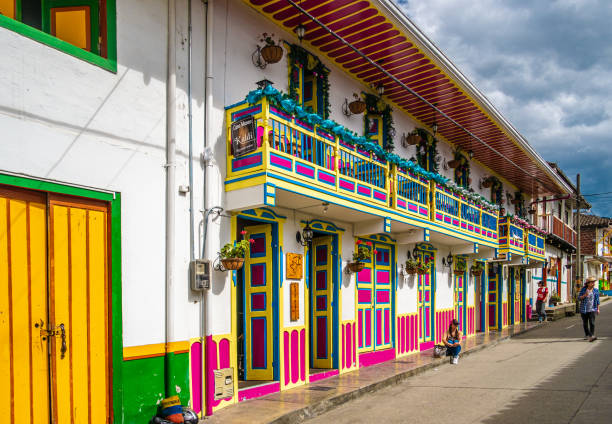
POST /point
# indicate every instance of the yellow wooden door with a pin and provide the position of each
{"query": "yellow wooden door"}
(322, 295)
(55, 364)
(78, 312)
(258, 304)
(24, 364)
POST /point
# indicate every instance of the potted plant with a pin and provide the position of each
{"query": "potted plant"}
(271, 52)
(460, 268)
(422, 268)
(357, 106)
(411, 266)
(554, 299)
(362, 253)
(232, 255)
(453, 163)
(477, 269)
(488, 182)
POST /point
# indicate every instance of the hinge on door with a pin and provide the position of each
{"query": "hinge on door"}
(99, 43)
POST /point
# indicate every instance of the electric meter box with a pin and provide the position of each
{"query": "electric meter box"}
(199, 274)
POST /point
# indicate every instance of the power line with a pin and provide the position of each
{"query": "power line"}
(598, 194)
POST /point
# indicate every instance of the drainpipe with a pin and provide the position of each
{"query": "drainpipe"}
(170, 194)
(208, 80)
(190, 118)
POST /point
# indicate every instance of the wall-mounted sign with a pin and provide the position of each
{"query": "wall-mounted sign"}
(224, 383)
(244, 138)
(295, 266)
(294, 292)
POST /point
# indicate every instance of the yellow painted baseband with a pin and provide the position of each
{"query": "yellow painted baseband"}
(153, 350)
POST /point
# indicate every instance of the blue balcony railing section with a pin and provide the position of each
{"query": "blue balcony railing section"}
(300, 156)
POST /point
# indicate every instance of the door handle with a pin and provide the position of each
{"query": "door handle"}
(64, 348)
(60, 331)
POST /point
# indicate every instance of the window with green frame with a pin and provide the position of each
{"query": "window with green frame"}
(82, 28)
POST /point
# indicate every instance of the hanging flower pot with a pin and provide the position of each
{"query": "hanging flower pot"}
(411, 267)
(272, 53)
(413, 139)
(357, 106)
(487, 183)
(356, 266)
(453, 163)
(232, 264)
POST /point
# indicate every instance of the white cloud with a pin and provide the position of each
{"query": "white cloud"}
(546, 66)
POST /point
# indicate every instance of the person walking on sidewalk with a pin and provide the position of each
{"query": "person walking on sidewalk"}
(541, 301)
(452, 341)
(589, 307)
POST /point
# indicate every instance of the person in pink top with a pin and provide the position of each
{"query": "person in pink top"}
(541, 301)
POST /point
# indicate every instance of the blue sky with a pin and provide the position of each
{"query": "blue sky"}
(546, 66)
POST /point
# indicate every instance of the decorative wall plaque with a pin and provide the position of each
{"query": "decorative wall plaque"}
(295, 266)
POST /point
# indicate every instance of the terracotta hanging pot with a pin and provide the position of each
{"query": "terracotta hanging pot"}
(487, 183)
(272, 53)
(357, 106)
(453, 163)
(413, 139)
(477, 273)
(356, 266)
(232, 264)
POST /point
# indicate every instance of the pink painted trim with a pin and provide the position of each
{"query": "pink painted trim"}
(258, 391)
(286, 356)
(426, 346)
(401, 203)
(280, 161)
(364, 190)
(364, 296)
(322, 375)
(327, 178)
(304, 170)
(382, 277)
(294, 356)
(373, 358)
(423, 211)
(412, 208)
(382, 296)
(196, 376)
(303, 355)
(380, 196)
(346, 185)
(438, 216)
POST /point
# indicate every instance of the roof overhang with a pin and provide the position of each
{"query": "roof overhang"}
(416, 75)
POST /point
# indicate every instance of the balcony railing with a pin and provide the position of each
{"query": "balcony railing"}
(511, 237)
(534, 245)
(307, 156)
(554, 225)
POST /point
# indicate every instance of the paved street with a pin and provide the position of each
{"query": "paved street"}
(549, 375)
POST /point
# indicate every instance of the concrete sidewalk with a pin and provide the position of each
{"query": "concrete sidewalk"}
(301, 403)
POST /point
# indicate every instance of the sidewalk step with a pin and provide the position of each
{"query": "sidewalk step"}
(301, 403)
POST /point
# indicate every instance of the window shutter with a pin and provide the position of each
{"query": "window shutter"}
(74, 21)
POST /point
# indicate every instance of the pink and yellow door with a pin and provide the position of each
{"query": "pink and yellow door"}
(425, 301)
(493, 297)
(53, 309)
(460, 300)
(374, 299)
(322, 297)
(516, 291)
(258, 314)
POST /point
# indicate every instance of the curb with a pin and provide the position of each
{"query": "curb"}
(323, 406)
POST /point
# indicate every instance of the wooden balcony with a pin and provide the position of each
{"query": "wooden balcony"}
(511, 237)
(308, 160)
(554, 225)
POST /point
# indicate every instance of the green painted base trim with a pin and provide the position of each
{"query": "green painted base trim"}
(144, 382)
(51, 41)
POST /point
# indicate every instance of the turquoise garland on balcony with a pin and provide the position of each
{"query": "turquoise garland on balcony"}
(290, 106)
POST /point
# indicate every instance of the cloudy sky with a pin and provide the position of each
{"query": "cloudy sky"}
(546, 66)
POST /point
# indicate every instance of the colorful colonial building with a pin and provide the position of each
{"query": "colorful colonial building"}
(141, 137)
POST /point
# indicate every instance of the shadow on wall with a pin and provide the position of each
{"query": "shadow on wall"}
(567, 395)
